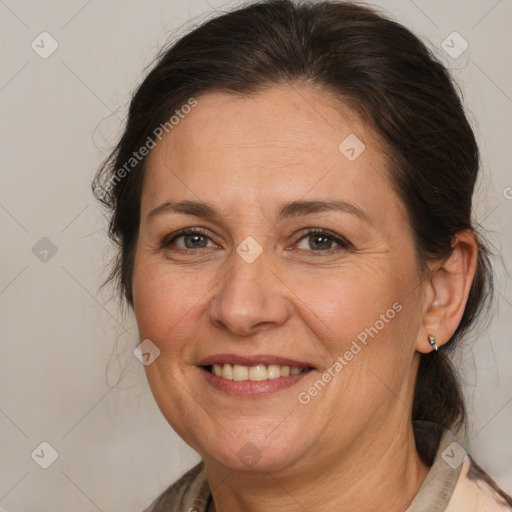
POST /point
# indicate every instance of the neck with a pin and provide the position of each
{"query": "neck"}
(381, 475)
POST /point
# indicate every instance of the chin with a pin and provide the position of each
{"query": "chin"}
(251, 459)
(254, 453)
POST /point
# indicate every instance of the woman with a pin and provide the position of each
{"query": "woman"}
(292, 202)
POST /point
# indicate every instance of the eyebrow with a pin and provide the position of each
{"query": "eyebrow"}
(288, 210)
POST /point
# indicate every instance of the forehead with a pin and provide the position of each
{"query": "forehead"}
(281, 141)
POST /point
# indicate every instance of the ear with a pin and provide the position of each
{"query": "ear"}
(447, 290)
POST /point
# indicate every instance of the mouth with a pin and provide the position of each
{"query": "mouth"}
(256, 373)
(252, 376)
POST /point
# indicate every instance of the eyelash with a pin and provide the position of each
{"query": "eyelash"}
(342, 243)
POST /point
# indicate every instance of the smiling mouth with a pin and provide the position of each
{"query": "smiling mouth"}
(256, 373)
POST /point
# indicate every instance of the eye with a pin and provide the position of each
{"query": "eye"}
(321, 240)
(189, 239)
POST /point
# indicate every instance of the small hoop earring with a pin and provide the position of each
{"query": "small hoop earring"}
(432, 341)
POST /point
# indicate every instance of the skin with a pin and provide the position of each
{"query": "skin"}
(246, 157)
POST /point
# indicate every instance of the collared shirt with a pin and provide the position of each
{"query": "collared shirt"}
(454, 483)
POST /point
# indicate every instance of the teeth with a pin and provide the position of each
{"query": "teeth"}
(227, 371)
(258, 372)
(238, 372)
(273, 371)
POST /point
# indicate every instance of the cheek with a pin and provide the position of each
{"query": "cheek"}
(164, 302)
(367, 325)
(365, 315)
(347, 300)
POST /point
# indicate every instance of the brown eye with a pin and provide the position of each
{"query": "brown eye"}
(194, 241)
(190, 239)
(321, 240)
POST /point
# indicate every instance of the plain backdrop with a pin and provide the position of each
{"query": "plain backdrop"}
(65, 344)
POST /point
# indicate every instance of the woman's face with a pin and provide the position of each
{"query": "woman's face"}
(266, 244)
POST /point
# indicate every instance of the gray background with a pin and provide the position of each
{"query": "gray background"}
(60, 359)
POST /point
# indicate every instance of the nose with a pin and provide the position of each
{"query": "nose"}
(251, 298)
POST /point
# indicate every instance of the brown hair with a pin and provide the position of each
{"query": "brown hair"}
(382, 71)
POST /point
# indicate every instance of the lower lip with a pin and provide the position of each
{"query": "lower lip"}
(250, 388)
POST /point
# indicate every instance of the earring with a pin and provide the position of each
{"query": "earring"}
(432, 341)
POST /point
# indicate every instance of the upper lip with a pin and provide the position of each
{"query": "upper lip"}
(251, 360)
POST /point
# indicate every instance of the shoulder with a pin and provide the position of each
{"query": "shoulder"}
(455, 483)
(476, 490)
(188, 494)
